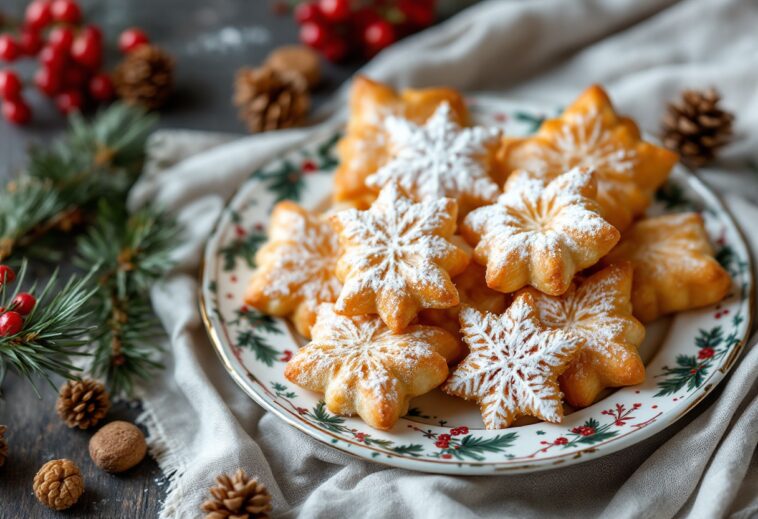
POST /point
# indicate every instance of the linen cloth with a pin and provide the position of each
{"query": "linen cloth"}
(644, 52)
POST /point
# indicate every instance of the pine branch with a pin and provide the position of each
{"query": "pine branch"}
(132, 254)
(95, 160)
(54, 332)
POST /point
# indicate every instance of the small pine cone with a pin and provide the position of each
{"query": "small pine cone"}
(58, 484)
(3, 445)
(82, 403)
(269, 99)
(696, 127)
(145, 77)
(238, 497)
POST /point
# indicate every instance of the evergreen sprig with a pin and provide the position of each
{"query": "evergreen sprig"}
(132, 253)
(55, 331)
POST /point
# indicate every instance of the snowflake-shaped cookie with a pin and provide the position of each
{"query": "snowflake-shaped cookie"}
(513, 366)
(591, 134)
(365, 146)
(397, 257)
(439, 159)
(598, 310)
(540, 235)
(674, 267)
(296, 266)
(364, 368)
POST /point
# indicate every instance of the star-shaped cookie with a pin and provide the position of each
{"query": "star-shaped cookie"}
(440, 159)
(591, 134)
(538, 234)
(674, 267)
(364, 368)
(514, 364)
(295, 267)
(397, 257)
(364, 148)
(598, 310)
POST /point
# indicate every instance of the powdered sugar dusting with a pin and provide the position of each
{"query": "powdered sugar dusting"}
(438, 159)
(513, 366)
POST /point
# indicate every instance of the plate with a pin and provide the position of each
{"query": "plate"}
(686, 356)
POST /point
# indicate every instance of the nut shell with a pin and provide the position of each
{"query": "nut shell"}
(117, 447)
(58, 484)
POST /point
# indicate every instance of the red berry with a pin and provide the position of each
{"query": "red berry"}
(69, 101)
(16, 111)
(87, 51)
(132, 38)
(335, 10)
(417, 13)
(23, 303)
(75, 77)
(10, 323)
(94, 32)
(9, 49)
(61, 37)
(52, 57)
(378, 35)
(7, 275)
(307, 12)
(48, 80)
(38, 15)
(335, 49)
(313, 34)
(66, 11)
(101, 87)
(10, 85)
(30, 42)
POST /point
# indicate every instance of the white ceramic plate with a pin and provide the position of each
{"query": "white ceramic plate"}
(686, 356)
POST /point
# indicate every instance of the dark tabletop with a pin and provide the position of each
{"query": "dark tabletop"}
(210, 39)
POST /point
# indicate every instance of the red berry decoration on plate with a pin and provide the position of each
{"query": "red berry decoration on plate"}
(9, 49)
(132, 38)
(69, 101)
(38, 15)
(66, 11)
(7, 275)
(10, 323)
(16, 111)
(24, 303)
(10, 85)
(101, 87)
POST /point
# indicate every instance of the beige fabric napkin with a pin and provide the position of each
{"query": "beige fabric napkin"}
(644, 51)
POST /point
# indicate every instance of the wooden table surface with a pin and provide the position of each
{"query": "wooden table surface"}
(210, 40)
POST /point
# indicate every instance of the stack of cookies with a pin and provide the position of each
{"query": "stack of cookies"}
(513, 272)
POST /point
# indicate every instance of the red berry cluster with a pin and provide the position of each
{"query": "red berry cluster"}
(70, 56)
(584, 430)
(346, 28)
(11, 320)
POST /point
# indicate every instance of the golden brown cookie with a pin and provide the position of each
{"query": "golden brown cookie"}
(538, 234)
(674, 267)
(364, 148)
(364, 368)
(591, 134)
(295, 267)
(514, 364)
(397, 258)
(598, 310)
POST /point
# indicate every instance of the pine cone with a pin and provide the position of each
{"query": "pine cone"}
(82, 403)
(696, 127)
(145, 77)
(3, 445)
(238, 497)
(58, 484)
(269, 99)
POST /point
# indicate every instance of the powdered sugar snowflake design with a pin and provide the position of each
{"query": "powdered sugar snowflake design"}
(535, 227)
(513, 366)
(300, 258)
(360, 364)
(438, 159)
(397, 257)
(583, 141)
